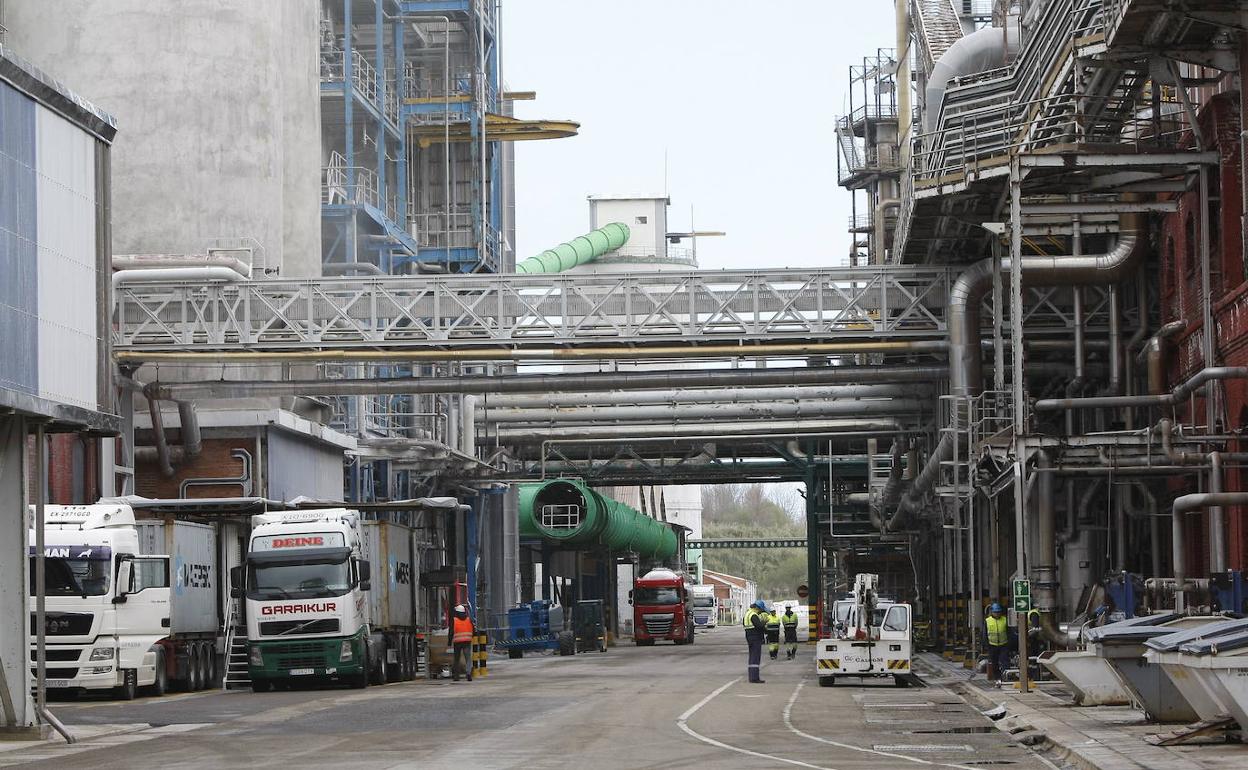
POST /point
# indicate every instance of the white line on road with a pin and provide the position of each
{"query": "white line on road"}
(683, 719)
(788, 722)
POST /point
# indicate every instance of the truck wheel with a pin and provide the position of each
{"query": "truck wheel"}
(261, 685)
(567, 643)
(900, 681)
(393, 672)
(161, 685)
(360, 680)
(206, 665)
(515, 654)
(193, 681)
(827, 681)
(129, 686)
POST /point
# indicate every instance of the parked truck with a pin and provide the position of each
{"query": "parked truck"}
(129, 604)
(872, 638)
(662, 608)
(328, 597)
(705, 606)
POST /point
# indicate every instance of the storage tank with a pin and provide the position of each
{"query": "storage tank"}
(218, 111)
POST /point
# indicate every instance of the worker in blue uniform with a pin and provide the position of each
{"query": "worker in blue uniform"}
(755, 630)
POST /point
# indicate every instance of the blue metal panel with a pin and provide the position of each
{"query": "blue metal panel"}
(19, 290)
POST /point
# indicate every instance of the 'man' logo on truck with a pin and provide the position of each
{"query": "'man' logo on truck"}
(289, 609)
(297, 542)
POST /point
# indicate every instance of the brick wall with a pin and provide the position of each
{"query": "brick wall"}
(214, 461)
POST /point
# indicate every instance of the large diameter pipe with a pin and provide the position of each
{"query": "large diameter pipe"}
(572, 382)
(1217, 525)
(1154, 353)
(179, 274)
(684, 413)
(632, 397)
(578, 251)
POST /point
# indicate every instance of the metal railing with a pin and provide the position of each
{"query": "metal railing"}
(342, 184)
(562, 516)
(459, 230)
(382, 94)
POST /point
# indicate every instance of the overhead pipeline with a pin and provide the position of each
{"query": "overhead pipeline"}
(578, 251)
(579, 517)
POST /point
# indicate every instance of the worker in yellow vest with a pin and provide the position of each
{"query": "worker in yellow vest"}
(755, 622)
(997, 636)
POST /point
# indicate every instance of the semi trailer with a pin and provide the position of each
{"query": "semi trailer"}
(129, 603)
(328, 597)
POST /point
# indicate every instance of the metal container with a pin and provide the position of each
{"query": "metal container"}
(1221, 667)
(193, 579)
(392, 600)
(1091, 679)
(1209, 703)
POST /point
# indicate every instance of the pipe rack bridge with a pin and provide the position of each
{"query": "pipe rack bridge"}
(877, 309)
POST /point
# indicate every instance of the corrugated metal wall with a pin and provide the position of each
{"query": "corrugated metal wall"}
(19, 346)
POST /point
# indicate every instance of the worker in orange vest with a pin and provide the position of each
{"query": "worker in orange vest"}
(459, 637)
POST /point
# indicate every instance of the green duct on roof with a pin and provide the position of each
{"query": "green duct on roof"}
(578, 251)
(579, 517)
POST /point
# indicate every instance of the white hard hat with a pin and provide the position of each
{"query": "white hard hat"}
(460, 608)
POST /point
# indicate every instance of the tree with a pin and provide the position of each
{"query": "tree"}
(738, 511)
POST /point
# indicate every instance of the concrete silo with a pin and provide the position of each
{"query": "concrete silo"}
(218, 113)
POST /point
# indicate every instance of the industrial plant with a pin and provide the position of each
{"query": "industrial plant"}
(285, 413)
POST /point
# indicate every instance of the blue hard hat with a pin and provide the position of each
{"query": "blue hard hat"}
(996, 608)
(760, 604)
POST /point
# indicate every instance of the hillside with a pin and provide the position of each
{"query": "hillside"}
(756, 510)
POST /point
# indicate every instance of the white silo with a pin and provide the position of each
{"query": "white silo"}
(218, 111)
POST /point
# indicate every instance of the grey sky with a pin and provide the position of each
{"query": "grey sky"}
(741, 95)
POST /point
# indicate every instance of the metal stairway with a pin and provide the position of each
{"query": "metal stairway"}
(236, 674)
(938, 28)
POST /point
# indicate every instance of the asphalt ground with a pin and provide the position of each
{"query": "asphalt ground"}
(653, 707)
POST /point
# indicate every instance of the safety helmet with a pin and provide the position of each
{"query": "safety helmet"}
(460, 608)
(760, 604)
(996, 607)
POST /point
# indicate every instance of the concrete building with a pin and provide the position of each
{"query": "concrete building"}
(56, 377)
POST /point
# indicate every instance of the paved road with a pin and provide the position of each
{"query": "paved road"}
(659, 707)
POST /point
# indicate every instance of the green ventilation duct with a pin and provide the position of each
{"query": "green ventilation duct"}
(577, 251)
(568, 513)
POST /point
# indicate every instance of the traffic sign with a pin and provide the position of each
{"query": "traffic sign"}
(802, 592)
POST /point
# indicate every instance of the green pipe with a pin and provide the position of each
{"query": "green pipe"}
(589, 518)
(577, 251)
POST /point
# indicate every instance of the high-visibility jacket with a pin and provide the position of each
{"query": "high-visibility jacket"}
(998, 631)
(749, 621)
(461, 630)
(789, 619)
(773, 621)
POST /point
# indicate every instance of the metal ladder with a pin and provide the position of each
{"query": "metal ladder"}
(237, 677)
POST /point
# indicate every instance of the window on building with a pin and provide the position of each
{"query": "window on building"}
(641, 220)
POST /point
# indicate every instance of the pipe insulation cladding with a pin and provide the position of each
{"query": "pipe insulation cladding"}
(578, 251)
(568, 513)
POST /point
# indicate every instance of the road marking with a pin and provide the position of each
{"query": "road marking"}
(788, 722)
(683, 719)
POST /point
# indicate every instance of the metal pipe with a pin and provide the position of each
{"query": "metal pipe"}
(1176, 396)
(571, 382)
(1115, 342)
(1154, 526)
(602, 353)
(1183, 505)
(1154, 353)
(702, 396)
(1217, 527)
(163, 461)
(180, 274)
(739, 429)
(188, 424)
(332, 269)
(676, 413)
(877, 255)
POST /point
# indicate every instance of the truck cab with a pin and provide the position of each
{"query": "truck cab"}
(705, 606)
(107, 608)
(872, 637)
(662, 608)
(304, 584)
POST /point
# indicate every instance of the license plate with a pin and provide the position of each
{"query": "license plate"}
(302, 671)
(56, 683)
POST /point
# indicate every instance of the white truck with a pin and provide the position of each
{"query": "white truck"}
(872, 638)
(315, 606)
(129, 603)
(705, 606)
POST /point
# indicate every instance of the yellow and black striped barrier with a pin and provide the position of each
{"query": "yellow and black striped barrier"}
(829, 663)
(812, 624)
(480, 654)
(901, 664)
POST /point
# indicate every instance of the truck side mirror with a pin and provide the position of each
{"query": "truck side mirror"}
(236, 582)
(124, 568)
(365, 570)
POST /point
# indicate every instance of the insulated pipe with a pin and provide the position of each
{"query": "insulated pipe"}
(890, 492)
(1046, 570)
(188, 423)
(468, 430)
(1115, 342)
(602, 353)
(1183, 505)
(982, 50)
(965, 299)
(1172, 398)
(880, 207)
(734, 395)
(590, 382)
(578, 251)
(1155, 351)
(739, 429)
(332, 269)
(1217, 526)
(181, 274)
(124, 262)
(1154, 526)
(684, 413)
(158, 431)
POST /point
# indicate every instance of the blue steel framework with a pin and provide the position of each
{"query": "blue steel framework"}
(369, 106)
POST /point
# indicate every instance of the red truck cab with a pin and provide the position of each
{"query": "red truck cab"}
(662, 608)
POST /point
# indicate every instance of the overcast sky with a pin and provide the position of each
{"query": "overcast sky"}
(740, 95)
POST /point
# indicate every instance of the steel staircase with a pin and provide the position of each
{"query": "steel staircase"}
(237, 677)
(938, 27)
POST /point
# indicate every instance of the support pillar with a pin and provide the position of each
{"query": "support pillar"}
(813, 552)
(17, 712)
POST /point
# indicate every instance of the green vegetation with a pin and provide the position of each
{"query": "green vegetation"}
(756, 510)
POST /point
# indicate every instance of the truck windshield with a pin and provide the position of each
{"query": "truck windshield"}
(643, 596)
(703, 601)
(298, 579)
(73, 577)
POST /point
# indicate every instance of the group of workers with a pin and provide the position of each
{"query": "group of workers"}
(764, 625)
